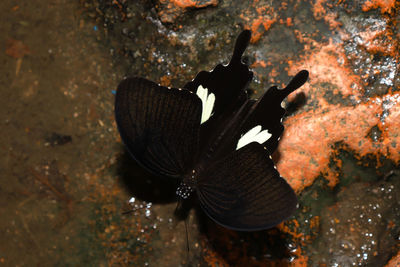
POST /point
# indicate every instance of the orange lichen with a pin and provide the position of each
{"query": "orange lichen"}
(300, 260)
(289, 22)
(16, 49)
(330, 18)
(348, 124)
(320, 13)
(188, 3)
(386, 6)
(299, 238)
(329, 123)
(314, 222)
(213, 259)
(171, 9)
(380, 41)
(284, 228)
(318, 9)
(193, 4)
(391, 224)
(395, 261)
(120, 8)
(261, 23)
(305, 39)
(283, 6)
(257, 31)
(165, 80)
(258, 63)
(328, 64)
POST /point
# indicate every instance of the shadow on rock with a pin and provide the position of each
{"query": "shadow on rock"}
(142, 184)
(259, 248)
(297, 103)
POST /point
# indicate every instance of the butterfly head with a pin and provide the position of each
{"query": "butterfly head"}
(187, 186)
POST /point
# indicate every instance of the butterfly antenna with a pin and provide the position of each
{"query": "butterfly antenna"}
(180, 215)
(127, 212)
(187, 241)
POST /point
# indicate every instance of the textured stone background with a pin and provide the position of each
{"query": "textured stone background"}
(66, 179)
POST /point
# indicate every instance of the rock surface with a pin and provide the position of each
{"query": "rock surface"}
(67, 181)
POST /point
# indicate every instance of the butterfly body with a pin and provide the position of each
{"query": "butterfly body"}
(214, 139)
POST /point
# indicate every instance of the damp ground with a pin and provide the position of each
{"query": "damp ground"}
(71, 195)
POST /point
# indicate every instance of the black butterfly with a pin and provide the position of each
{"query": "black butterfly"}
(214, 139)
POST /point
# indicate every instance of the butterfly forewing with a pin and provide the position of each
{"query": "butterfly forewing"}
(227, 84)
(244, 191)
(159, 125)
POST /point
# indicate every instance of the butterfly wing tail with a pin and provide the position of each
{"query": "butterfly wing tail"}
(297, 81)
(241, 44)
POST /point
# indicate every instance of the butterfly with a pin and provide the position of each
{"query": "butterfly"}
(214, 139)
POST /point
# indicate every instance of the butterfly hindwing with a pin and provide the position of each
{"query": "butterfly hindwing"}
(244, 191)
(255, 121)
(159, 125)
(241, 189)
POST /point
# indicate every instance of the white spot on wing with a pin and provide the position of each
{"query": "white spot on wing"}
(201, 92)
(253, 135)
(207, 101)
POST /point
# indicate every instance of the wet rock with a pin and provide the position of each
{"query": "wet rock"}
(369, 46)
(351, 50)
(361, 228)
(169, 10)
